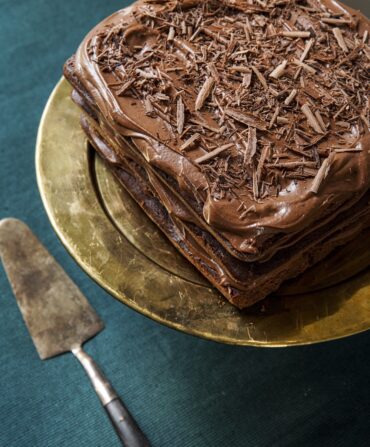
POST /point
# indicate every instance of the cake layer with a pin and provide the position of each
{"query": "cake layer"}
(259, 115)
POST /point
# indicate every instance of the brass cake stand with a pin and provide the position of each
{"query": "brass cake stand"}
(119, 247)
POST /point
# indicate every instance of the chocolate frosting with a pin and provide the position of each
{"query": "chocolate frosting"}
(243, 283)
(264, 206)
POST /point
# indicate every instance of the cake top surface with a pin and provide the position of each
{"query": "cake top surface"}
(262, 107)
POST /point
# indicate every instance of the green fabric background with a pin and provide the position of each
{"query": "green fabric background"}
(185, 392)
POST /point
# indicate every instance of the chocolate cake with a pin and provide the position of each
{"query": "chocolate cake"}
(241, 128)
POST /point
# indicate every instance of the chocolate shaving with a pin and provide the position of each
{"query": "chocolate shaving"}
(248, 120)
(343, 124)
(275, 92)
(213, 153)
(340, 39)
(274, 116)
(311, 118)
(206, 125)
(333, 21)
(239, 69)
(282, 120)
(291, 164)
(320, 176)
(214, 36)
(250, 146)
(279, 70)
(185, 46)
(248, 26)
(212, 68)
(245, 213)
(296, 33)
(126, 86)
(204, 92)
(307, 49)
(247, 33)
(340, 111)
(180, 115)
(348, 149)
(320, 120)
(149, 110)
(260, 77)
(171, 34)
(255, 185)
(365, 36)
(261, 162)
(190, 142)
(304, 66)
(291, 97)
(146, 74)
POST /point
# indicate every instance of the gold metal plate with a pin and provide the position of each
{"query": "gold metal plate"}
(119, 247)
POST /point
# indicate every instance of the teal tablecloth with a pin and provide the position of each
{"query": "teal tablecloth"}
(185, 392)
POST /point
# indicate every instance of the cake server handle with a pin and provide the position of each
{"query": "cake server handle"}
(124, 424)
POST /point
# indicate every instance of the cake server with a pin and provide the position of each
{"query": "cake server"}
(58, 317)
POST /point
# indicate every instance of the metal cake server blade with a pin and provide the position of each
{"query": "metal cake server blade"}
(58, 316)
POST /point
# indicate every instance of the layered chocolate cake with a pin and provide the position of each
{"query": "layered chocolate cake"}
(241, 128)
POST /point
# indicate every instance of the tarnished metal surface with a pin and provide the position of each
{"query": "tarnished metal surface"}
(56, 313)
(114, 242)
